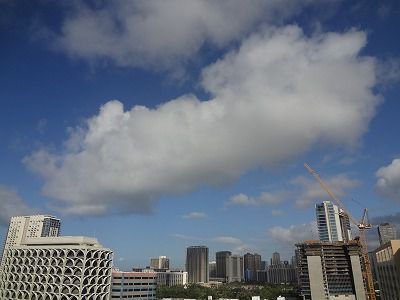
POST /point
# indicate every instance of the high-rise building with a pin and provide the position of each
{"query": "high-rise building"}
(197, 264)
(330, 270)
(388, 269)
(252, 264)
(221, 257)
(70, 268)
(386, 232)
(276, 259)
(162, 262)
(23, 227)
(333, 223)
(235, 268)
(133, 285)
(212, 269)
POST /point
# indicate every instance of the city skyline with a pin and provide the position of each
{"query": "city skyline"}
(154, 127)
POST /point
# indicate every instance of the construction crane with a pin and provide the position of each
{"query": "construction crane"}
(361, 225)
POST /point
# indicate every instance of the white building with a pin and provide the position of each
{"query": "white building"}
(65, 268)
(23, 227)
(172, 278)
(134, 285)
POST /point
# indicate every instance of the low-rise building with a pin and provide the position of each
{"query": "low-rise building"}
(133, 285)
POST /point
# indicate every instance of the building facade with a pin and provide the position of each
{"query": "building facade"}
(234, 269)
(386, 232)
(133, 285)
(197, 264)
(330, 270)
(67, 268)
(333, 224)
(221, 258)
(23, 227)
(252, 264)
(388, 269)
(172, 278)
(162, 262)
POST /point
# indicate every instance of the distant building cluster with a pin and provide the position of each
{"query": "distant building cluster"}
(38, 263)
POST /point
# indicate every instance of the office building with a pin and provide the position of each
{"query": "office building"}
(133, 285)
(281, 274)
(67, 268)
(197, 264)
(252, 264)
(221, 258)
(386, 232)
(333, 223)
(172, 278)
(23, 227)
(162, 262)
(234, 269)
(212, 269)
(275, 259)
(330, 270)
(388, 269)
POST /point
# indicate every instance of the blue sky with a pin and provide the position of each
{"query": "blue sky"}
(158, 125)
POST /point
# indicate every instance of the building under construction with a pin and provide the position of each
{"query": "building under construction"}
(330, 270)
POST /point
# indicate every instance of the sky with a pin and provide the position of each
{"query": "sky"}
(157, 125)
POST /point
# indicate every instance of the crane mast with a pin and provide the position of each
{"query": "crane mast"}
(362, 226)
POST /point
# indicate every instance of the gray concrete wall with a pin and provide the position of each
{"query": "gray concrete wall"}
(357, 277)
(316, 277)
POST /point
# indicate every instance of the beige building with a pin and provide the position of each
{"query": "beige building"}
(388, 267)
(23, 227)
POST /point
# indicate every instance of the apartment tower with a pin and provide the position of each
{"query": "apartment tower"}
(197, 264)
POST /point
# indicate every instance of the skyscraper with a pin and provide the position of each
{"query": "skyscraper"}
(386, 233)
(221, 258)
(252, 264)
(276, 259)
(197, 264)
(23, 227)
(333, 223)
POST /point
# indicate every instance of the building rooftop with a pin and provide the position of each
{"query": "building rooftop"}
(62, 241)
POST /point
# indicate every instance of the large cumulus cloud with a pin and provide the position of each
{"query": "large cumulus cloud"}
(278, 95)
(164, 35)
(11, 205)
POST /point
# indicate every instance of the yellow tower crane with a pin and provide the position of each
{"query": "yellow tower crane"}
(361, 225)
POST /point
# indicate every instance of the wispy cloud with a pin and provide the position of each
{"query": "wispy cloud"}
(195, 215)
(265, 198)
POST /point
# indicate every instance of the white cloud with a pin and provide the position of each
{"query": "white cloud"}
(388, 183)
(310, 191)
(242, 199)
(227, 240)
(163, 34)
(276, 97)
(11, 205)
(263, 198)
(294, 233)
(277, 212)
(195, 215)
